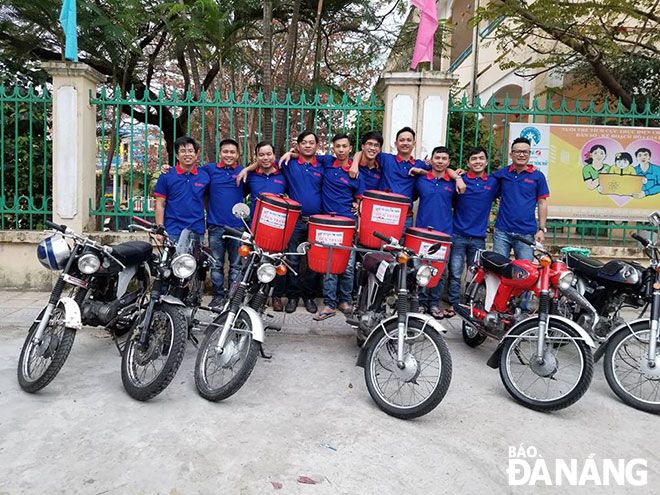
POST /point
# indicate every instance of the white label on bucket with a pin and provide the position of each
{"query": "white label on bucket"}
(330, 237)
(386, 214)
(272, 218)
(440, 254)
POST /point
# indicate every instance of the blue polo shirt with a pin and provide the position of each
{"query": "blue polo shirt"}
(223, 194)
(371, 177)
(304, 182)
(436, 196)
(184, 199)
(258, 182)
(473, 206)
(519, 196)
(652, 174)
(338, 187)
(395, 173)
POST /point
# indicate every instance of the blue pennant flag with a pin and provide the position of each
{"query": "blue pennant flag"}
(70, 26)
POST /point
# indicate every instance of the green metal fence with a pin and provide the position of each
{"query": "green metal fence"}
(25, 158)
(132, 152)
(487, 124)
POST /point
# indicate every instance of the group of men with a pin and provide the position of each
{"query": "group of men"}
(449, 201)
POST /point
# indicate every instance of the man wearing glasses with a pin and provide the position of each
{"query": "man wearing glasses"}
(522, 188)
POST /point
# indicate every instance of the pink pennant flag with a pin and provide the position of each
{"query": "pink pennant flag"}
(428, 23)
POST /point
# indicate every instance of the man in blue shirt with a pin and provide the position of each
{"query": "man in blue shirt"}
(522, 188)
(650, 172)
(370, 170)
(180, 195)
(471, 213)
(436, 192)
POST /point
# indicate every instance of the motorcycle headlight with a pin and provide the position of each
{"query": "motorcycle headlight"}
(183, 266)
(89, 263)
(424, 275)
(266, 273)
(565, 280)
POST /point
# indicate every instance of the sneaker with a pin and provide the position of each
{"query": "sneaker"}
(311, 306)
(291, 305)
(217, 301)
(277, 304)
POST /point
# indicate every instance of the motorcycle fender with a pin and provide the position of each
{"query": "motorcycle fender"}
(174, 301)
(393, 321)
(494, 360)
(255, 322)
(72, 317)
(124, 278)
(625, 327)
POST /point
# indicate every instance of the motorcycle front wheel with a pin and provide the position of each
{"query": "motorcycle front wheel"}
(628, 372)
(559, 380)
(221, 373)
(147, 370)
(421, 385)
(471, 335)
(40, 362)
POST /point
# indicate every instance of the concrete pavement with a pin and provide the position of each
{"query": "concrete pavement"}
(305, 413)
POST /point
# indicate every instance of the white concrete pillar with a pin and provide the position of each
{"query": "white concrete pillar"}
(74, 142)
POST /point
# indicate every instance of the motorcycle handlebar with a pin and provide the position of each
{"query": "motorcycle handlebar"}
(382, 237)
(643, 240)
(53, 225)
(233, 232)
(523, 239)
(143, 221)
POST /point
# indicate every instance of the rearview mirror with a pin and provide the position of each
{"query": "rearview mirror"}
(655, 218)
(241, 210)
(302, 248)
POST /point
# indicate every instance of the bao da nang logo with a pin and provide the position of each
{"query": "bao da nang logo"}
(527, 467)
(533, 134)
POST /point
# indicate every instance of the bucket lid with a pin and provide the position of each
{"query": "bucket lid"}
(428, 234)
(281, 201)
(387, 196)
(332, 220)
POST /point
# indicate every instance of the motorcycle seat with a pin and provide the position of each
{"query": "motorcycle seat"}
(132, 252)
(588, 266)
(372, 260)
(500, 264)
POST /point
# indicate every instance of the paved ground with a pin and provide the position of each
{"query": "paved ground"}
(304, 413)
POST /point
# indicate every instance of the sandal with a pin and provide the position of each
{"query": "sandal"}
(324, 315)
(345, 308)
(436, 312)
(449, 313)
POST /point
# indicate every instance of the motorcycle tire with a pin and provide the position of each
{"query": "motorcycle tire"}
(471, 336)
(563, 335)
(376, 389)
(232, 355)
(167, 338)
(630, 366)
(56, 348)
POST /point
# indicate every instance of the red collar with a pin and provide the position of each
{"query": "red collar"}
(530, 168)
(312, 163)
(375, 162)
(275, 172)
(180, 170)
(446, 177)
(220, 165)
(411, 160)
(470, 175)
(346, 168)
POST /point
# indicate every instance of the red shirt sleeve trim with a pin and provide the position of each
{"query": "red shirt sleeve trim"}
(543, 197)
(158, 195)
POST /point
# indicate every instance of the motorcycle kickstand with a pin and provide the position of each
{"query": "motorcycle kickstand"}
(263, 354)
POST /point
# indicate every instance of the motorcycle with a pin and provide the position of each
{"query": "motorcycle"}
(407, 365)
(155, 348)
(545, 360)
(106, 284)
(233, 341)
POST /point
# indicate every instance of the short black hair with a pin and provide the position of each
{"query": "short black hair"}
(341, 135)
(405, 129)
(184, 140)
(227, 141)
(623, 156)
(475, 151)
(521, 139)
(304, 134)
(262, 144)
(440, 149)
(643, 150)
(375, 135)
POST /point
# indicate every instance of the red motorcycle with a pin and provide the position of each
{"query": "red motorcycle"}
(545, 359)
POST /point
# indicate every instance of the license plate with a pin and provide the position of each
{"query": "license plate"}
(74, 281)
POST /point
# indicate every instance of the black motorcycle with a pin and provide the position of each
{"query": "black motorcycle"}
(407, 365)
(105, 286)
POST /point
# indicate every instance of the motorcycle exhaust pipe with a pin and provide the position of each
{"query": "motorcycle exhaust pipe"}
(581, 301)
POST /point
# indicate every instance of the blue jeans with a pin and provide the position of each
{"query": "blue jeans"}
(219, 247)
(345, 285)
(193, 235)
(463, 249)
(503, 242)
(294, 287)
(408, 223)
(431, 297)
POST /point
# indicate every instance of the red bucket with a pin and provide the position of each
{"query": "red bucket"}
(274, 220)
(420, 240)
(329, 229)
(384, 213)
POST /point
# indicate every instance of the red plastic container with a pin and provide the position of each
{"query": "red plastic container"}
(420, 240)
(384, 213)
(274, 220)
(329, 229)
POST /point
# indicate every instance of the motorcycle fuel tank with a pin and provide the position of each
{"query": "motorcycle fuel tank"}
(620, 272)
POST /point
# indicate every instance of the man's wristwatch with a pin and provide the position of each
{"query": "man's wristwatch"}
(543, 229)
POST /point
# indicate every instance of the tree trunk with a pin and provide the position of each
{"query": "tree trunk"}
(267, 84)
(316, 77)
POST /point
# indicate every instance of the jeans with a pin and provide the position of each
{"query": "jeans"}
(463, 249)
(294, 287)
(408, 223)
(431, 297)
(504, 241)
(219, 247)
(345, 285)
(193, 235)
